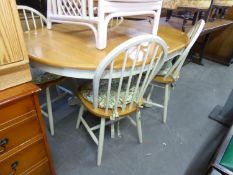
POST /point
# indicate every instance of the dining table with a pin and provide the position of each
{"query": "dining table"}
(69, 50)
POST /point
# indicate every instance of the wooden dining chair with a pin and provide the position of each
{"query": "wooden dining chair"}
(96, 14)
(119, 84)
(193, 10)
(31, 19)
(220, 7)
(167, 80)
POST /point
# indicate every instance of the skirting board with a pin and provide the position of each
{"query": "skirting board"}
(14, 76)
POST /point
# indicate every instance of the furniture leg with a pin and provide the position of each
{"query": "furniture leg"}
(168, 15)
(150, 93)
(58, 90)
(118, 129)
(156, 21)
(166, 99)
(148, 99)
(184, 24)
(195, 17)
(112, 130)
(139, 125)
(50, 112)
(79, 116)
(101, 39)
(101, 141)
(203, 48)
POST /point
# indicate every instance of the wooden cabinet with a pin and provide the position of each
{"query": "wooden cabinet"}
(14, 67)
(220, 44)
(23, 142)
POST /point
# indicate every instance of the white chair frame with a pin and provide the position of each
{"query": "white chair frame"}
(84, 12)
(174, 72)
(107, 71)
(61, 90)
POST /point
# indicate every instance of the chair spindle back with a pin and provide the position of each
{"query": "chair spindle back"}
(137, 60)
(33, 19)
(193, 35)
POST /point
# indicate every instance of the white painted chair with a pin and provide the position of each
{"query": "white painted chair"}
(96, 14)
(166, 81)
(31, 19)
(133, 64)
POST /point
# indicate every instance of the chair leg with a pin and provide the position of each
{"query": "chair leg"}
(58, 90)
(168, 15)
(101, 141)
(139, 126)
(166, 99)
(50, 112)
(112, 130)
(80, 114)
(150, 93)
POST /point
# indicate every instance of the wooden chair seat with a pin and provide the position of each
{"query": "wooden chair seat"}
(100, 112)
(162, 80)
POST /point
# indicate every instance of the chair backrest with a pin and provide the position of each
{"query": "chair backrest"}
(30, 18)
(136, 61)
(193, 35)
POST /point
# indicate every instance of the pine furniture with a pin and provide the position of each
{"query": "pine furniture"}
(14, 68)
(167, 80)
(96, 14)
(123, 98)
(23, 142)
(72, 50)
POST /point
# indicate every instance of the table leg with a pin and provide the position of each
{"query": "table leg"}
(199, 59)
(206, 39)
(168, 15)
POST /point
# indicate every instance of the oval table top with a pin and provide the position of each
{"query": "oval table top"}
(73, 46)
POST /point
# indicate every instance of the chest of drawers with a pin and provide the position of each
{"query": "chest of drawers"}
(23, 142)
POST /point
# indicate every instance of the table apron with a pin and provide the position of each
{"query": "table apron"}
(79, 73)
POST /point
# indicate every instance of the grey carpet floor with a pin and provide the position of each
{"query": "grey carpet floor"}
(183, 146)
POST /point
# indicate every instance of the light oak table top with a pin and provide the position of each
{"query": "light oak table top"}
(69, 50)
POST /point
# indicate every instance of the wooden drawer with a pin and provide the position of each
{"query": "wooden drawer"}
(24, 157)
(15, 110)
(19, 132)
(41, 168)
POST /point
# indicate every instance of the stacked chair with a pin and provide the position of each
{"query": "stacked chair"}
(96, 14)
(220, 7)
(193, 10)
(166, 80)
(32, 19)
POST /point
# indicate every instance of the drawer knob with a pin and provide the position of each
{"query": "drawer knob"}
(13, 168)
(3, 144)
